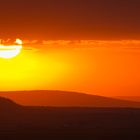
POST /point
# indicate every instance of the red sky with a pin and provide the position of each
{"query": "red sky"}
(70, 19)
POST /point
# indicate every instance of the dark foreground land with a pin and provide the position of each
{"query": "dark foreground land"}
(23, 123)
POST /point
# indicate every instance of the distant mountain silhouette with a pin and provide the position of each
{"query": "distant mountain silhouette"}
(129, 98)
(27, 122)
(65, 99)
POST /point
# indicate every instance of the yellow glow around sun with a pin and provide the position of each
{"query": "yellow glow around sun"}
(10, 51)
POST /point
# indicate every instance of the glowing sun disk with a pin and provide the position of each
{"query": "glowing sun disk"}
(10, 51)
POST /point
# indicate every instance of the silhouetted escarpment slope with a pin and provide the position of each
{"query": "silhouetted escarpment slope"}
(7, 104)
(18, 122)
(65, 99)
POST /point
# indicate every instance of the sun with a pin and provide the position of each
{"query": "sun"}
(10, 51)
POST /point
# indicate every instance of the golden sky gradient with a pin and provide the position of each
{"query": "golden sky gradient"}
(107, 68)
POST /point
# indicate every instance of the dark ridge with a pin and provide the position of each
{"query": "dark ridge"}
(20, 122)
(7, 104)
(65, 99)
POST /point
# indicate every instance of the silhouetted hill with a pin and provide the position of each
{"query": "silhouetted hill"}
(129, 98)
(7, 104)
(20, 122)
(65, 99)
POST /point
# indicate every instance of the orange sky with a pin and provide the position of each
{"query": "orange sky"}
(106, 68)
